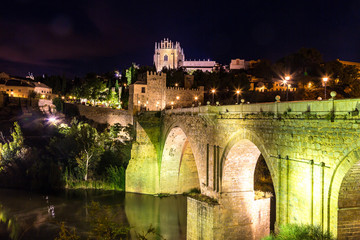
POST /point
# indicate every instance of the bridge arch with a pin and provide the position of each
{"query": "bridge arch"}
(251, 140)
(242, 156)
(178, 169)
(344, 195)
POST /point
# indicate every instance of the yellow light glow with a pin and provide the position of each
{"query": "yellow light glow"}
(176, 84)
(213, 90)
(196, 98)
(177, 97)
(325, 79)
(237, 91)
(139, 102)
(172, 103)
(287, 78)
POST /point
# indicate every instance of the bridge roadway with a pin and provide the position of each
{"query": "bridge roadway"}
(311, 148)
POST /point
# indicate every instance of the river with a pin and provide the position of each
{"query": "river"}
(29, 215)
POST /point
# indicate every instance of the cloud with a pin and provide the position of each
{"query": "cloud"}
(42, 43)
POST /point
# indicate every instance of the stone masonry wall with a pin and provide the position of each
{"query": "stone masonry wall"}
(349, 203)
(186, 96)
(142, 173)
(202, 220)
(261, 217)
(308, 151)
(103, 115)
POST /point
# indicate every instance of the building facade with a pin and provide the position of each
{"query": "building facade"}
(151, 94)
(23, 87)
(171, 56)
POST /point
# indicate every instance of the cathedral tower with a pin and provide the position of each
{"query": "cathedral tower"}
(167, 54)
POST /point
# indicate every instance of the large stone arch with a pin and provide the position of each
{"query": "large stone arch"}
(178, 169)
(342, 171)
(246, 135)
(248, 218)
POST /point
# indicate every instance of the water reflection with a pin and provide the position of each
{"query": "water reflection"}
(25, 215)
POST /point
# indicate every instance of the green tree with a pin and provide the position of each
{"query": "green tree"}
(93, 88)
(78, 148)
(131, 73)
(12, 148)
(344, 79)
(90, 147)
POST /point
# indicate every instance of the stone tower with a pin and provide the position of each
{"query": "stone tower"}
(167, 54)
(156, 86)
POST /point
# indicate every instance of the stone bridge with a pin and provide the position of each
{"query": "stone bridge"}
(311, 150)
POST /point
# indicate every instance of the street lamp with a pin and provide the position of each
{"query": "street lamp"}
(196, 99)
(177, 101)
(213, 94)
(325, 79)
(287, 78)
(237, 96)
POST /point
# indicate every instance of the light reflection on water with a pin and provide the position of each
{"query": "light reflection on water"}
(34, 216)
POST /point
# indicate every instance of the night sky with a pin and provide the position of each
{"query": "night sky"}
(78, 36)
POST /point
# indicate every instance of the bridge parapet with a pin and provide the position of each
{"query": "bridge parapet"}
(344, 107)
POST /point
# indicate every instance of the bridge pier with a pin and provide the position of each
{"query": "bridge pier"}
(235, 216)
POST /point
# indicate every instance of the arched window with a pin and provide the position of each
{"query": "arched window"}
(165, 58)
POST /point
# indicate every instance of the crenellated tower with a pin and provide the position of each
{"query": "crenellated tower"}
(167, 54)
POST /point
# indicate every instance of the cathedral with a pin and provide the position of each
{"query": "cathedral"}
(171, 56)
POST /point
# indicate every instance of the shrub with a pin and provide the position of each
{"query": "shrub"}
(116, 177)
(300, 232)
(58, 104)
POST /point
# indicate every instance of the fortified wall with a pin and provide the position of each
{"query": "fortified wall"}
(99, 114)
(151, 94)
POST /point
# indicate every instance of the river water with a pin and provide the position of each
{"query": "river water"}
(27, 215)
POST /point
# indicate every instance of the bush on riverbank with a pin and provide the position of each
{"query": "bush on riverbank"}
(76, 156)
(300, 232)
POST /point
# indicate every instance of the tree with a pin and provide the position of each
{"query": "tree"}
(13, 148)
(87, 138)
(93, 88)
(343, 78)
(78, 148)
(131, 74)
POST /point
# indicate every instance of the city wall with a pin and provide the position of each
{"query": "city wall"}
(181, 97)
(99, 114)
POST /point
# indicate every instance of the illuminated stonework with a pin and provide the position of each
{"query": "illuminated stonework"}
(152, 94)
(312, 153)
(171, 56)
